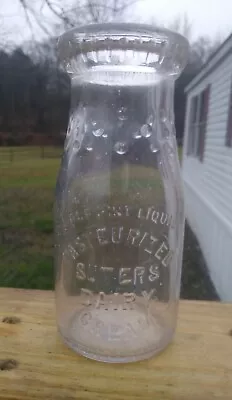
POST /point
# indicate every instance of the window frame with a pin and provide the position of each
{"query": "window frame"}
(228, 139)
(199, 106)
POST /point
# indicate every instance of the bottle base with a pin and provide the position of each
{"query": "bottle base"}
(112, 342)
(84, 351)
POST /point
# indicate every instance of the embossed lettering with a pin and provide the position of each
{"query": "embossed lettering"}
(140, 214)
(153, 240)
(91, 271)
(122, 211)
(148, 295)
(125, 277)
(133, 235)
(149, 212)
(117, 234)
(155, 216)
(167, 258)
(85, 318)
(143, 238)
(91, 279)
(107, 270)
(102, 236)
(76, 248)
(88, 294)
(161, 251)
(73, 252)
(107, 273)
(163, 218)
(138, 275)
(117, 212)
(100, 300)
(115, 332)
(129, 297)
(81, 247)
(154, 273)
(127, 211)
(99, 327)
(80, 271)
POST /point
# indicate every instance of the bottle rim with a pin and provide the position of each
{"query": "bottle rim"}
(158, 48)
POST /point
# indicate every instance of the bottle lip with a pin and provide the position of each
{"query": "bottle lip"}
(160, 47)
(94, 32)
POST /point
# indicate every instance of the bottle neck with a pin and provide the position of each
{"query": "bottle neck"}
(126, 109)
(165, 101)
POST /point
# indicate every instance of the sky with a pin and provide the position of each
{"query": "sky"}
(207, 17)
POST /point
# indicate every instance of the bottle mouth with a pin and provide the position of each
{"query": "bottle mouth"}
(122, 53)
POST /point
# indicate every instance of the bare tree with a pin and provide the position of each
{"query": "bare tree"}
(182, 25)
(200, 48)
(92, 10)
(5, 43)
(204, 47)
(85, 11)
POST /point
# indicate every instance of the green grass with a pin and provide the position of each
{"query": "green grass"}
(26, 223)
(20, 153)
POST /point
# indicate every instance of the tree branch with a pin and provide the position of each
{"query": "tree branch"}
(87, 11)
(26, 8)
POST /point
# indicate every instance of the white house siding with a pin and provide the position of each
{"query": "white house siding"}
(208, 185)
(215, 238)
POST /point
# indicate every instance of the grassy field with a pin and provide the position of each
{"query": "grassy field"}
(26, 225)
(20, 153)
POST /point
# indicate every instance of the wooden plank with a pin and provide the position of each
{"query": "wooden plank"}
(197, 366)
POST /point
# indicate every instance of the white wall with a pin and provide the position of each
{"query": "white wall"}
(208, 185)
(215, 238)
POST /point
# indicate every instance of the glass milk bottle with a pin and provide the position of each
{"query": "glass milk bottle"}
(119, 216)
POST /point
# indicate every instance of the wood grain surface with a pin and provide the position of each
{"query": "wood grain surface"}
(34, 364)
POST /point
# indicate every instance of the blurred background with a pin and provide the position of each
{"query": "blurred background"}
(34, 105)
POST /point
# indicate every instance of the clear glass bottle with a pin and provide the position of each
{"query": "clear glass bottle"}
(119, 216)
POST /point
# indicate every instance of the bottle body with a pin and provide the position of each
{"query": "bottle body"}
(119, 219)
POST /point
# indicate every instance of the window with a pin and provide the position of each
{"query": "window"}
(198, 122)
(229, 122)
